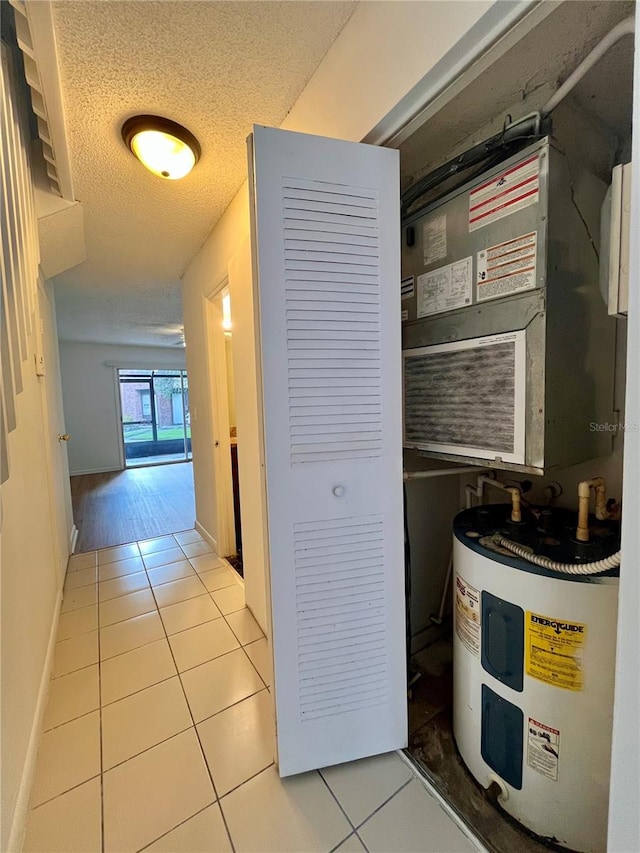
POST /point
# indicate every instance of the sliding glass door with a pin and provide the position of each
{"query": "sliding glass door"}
(155, 416)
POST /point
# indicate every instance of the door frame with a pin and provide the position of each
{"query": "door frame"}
(219, 414)
(63, 529)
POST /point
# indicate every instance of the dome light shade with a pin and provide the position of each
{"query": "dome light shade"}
(167, 149)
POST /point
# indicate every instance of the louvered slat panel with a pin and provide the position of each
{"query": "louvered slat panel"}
(332, 310)
(462, 398)
(346, 669)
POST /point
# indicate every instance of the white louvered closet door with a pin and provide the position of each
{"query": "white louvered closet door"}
(326, 232)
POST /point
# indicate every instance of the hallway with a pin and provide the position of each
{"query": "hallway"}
(158, 733)
(116, 507)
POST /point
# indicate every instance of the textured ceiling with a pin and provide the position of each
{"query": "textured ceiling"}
(215, 67)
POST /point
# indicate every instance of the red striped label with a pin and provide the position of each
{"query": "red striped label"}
(506, 193)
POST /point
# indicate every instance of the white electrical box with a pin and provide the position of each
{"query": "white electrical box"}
(614, 242)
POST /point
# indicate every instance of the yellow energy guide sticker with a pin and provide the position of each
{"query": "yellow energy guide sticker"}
(554, 651)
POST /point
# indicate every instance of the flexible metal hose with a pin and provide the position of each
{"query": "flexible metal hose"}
(594, 568)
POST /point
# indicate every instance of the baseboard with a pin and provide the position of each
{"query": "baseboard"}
(94, 471)
(73, 539)
(206, 536)
(19, 823)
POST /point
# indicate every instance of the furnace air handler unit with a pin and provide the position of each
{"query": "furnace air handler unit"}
(508, 348)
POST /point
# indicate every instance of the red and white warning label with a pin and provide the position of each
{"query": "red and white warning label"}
(543, 748)
(506, 268)
(511, 190)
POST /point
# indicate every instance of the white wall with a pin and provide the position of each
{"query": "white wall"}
(384, 50)
(369, 68)
(30, 590)
(31, 578)
(90, 398)
(207, 270)
(624, 816)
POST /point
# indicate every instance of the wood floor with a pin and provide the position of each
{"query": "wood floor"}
(126, 506)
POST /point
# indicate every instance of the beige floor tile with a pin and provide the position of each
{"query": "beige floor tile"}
(363, 786)
(187, 536)
(130, 634)
(286, 815)
(239, 742)
(218, 578)
(203, 833)
(163, 558)
(220, 683)
(77, 622)
(260, 655)
(196, 549)
(126, 607)
(244, 626)
(207, 562)
(413, 820)
(68, 756)
(171, 572)
(75, 653)
(124, 585)
(351, 845)
(160, 543)
(229, 599)
(135, 670)
(75, 599)
(72, 696)
(154, 792)
(120, 552)
(71, 823)
(82, 577)
(77, 562)
(180, 590)
(188, 614)
(202, 643)
(143, 720)
(130, 566)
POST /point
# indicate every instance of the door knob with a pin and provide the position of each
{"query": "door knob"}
(338, 491)
(64, 437)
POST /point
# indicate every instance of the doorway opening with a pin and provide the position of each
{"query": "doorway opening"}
(155, 420)
(220, 341)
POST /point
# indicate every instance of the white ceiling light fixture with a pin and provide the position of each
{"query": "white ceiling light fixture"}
(166, 148)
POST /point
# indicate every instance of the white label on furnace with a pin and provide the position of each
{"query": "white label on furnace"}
(404, 315)
(467, 615)
(446, 288)
(507, 267)
(510, 191)
(543, 749)
(434, 239)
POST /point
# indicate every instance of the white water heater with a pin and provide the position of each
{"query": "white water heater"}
(534, 659)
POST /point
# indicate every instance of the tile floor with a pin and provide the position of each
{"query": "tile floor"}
(159, 729)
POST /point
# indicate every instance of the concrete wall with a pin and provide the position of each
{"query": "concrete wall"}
(90, 398)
